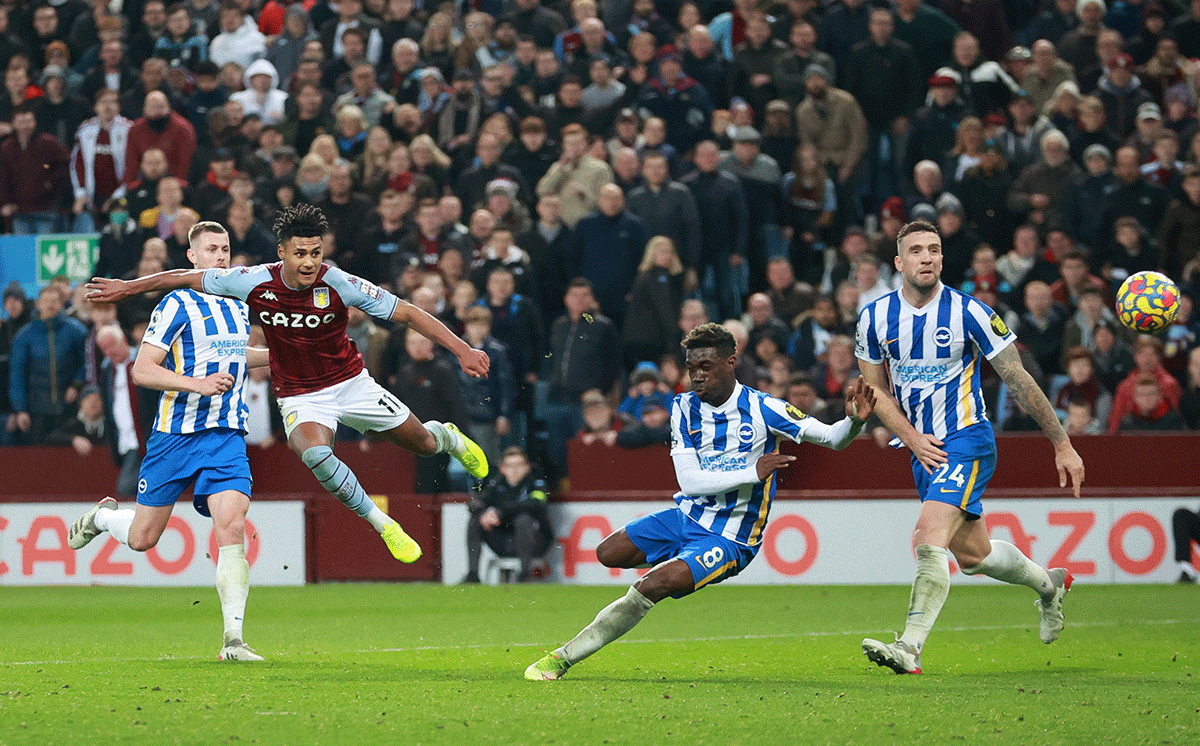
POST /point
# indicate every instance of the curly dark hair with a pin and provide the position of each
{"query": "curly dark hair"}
(300, 221)
(711, 335)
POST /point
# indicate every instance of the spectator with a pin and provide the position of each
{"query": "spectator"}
(627, 169)
(1189, 404)
(652, 324)
(239, 41)
(42, 381)
(35, 179)
(1147, 358)
(85, 430)
(763, 322)
(1147, 127)
(1121, 93)
(1083, 384)
(608, 245)
(576, 178)
(707, 66)
(600, 422)
(1075, 277)
(885, 77)
(936, 125)
(1081, 218)
(802, 394)
(845, 25)
(128, 409)
(491, 402)
(112, 71)
(761, 181)
(472, 186)
(1024, 263)
(1132, 195)
(530, 18)
(830, 120)
(246, 235)
(1179, 234)
(1046, 73)
(1151, 411)
(958, 244)
(645, 388)
(1022, 139)
(98, 159)
(346, 209)
(653, 426)
(580, 359)
(983, 190)
(755, 60)
(1113, 357)
(262, 95)
(1091, 309)
(180, 43)
(832, 376)
(1091, 128)
(1052, 23)
(681, 102)
(546, 244)
(724, 225)
(515, 322)
(350, 15)
(510, 515)
(61, 110)
(668, 209)
(1078, 46)
(1041, 327)
(930, 31)
(432, 389)
(1129, 252)
(532, 153)
(160, 127)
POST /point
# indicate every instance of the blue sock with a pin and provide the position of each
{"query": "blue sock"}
(337, 478)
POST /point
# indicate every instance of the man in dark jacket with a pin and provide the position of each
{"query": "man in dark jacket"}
(45, 367)
(606, 249)
(681, 102)
(472, 184)
(35, 178)
(668, 209)
(546, 244)
(510, 515)
(433, 391)
(724, 230)
(582, 357)
(760, 178)
(884, 76)
(491, 401)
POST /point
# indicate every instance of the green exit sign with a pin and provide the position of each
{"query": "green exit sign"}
(73, 256)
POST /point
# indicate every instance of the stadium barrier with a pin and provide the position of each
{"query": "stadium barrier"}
(832, 510)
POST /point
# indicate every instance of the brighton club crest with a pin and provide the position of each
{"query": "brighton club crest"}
(321, 297)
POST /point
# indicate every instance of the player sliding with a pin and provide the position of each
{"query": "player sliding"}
(931, 338)
(724, 442)
(317, 374)
(199, 431)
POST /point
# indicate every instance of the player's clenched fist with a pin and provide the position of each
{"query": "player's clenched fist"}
(214, 385)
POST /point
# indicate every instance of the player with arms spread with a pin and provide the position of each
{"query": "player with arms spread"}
(317, 374)
(931, 337)
(725, 446)
(199, 431)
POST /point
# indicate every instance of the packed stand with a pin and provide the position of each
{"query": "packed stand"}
(574, 186)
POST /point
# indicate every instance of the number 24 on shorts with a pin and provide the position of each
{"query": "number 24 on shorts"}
(957, 476)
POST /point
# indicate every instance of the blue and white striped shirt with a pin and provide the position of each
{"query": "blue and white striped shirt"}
(933, 354)
(202, 334)
(732, 437)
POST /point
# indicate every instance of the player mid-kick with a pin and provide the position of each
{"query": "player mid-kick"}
(316, 373)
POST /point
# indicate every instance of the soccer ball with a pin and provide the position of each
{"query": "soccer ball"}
(1147, 302)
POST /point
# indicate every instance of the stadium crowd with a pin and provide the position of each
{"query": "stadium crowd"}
(574, 186)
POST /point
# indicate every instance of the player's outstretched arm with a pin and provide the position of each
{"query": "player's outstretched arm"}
(104, 290)
(474, 362)
(925, 447)
(149, 373)
(1029, 395)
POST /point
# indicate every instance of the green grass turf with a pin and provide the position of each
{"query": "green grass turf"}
(420, 664)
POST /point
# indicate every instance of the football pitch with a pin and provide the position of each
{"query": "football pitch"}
(423, 664)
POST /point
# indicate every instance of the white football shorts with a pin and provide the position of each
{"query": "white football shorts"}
(360, 403)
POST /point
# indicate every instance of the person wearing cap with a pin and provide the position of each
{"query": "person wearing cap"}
(1178, 236)
(98, 157)
(984, 190)
(682, 103)
(1122, 94)
(761, 180)
(1147, 127)
(1022, 138)
(287, 46)
(930, 31)
(885, 77)
(789, 69)
(831, 120)
(935, 125)
(1080, 216)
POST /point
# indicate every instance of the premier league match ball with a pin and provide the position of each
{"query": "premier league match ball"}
(1147, 302)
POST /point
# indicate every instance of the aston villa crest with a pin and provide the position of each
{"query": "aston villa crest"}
(321, 297)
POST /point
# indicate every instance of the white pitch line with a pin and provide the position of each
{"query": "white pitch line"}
(726, 638)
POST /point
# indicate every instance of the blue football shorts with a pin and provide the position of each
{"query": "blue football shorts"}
(971, 461)
(214, 459)
(669, 534)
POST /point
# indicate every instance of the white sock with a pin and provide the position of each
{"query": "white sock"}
(115, 522)
(233, 587)
(447, 440)
(378, 518)
(1005, 562)
(1187, 569)
(613, 621)
(929, 591)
